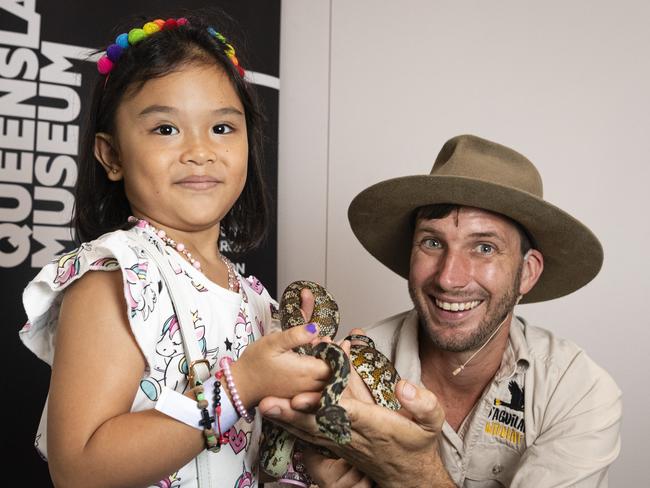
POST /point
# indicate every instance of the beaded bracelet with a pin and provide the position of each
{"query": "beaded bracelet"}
(216, 400)
(211, 441)
(234, 394)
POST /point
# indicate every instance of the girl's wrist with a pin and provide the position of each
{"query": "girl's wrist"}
(244, 387)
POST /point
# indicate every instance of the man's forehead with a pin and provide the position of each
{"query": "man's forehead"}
(471, 219)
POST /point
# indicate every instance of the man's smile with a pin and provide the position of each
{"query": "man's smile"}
(456, 306)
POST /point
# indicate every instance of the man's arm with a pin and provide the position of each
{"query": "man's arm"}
(395, 451)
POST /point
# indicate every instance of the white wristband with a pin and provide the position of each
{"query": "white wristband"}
(184, 409)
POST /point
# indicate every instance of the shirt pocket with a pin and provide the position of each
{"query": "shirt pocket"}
(491, 466)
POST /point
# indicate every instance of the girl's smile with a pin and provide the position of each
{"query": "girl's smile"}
(199, 182)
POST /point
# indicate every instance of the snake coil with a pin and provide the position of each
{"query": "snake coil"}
(277, 454)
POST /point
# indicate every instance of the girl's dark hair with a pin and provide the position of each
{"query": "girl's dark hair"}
(101, 205)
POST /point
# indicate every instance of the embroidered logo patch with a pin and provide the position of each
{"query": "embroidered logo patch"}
(506, 418)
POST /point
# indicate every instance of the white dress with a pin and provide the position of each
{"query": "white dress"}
(225, 323)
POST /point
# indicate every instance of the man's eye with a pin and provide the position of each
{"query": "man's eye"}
(166, 130)
(430, 243)
(485, 248)
(222, 129)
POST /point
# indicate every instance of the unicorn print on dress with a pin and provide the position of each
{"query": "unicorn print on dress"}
(260, 325)
(198, 286)
(172, 481)
(68, 265)
(245, 480)
(106, 264)
(255, 284)
(170, 357)
(243, 332)
(140, 295)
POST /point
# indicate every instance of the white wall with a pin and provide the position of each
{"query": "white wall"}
(372, 89)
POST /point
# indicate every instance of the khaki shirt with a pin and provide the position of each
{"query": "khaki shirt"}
(550, 418)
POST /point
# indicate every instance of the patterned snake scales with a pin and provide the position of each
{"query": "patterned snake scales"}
(277, 454)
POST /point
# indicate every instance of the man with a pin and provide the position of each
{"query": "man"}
(522, 407)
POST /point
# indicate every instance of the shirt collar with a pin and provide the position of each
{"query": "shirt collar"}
(516, 354)
(407, 359)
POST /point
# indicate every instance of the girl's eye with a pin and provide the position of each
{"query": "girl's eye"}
(485, 249)
(222, 129)
(430, 243)
(166, 130)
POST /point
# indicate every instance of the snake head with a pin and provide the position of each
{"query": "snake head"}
(333, 421)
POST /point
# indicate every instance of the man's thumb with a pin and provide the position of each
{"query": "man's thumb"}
(422, 404)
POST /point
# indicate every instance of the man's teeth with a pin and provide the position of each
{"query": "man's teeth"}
(457, 306)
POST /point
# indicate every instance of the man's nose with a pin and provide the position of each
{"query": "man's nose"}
(453, 270)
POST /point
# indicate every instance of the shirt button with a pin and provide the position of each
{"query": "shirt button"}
(496, 469)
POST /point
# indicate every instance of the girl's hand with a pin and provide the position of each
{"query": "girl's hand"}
(356, 388)
(270, 367)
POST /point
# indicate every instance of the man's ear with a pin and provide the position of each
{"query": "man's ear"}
(531, 270)
(107, 155)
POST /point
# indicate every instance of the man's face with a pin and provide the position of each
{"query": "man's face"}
(465, 276)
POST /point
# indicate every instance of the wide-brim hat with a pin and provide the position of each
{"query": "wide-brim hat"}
(475, 172)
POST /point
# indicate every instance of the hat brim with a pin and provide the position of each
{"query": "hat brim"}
(381, 218)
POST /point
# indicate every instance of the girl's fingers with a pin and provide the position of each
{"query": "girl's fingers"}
(306, 304)
(296, 336)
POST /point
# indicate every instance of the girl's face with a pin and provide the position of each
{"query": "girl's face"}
(181, 147)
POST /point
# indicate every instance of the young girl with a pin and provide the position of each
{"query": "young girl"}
(172, 159)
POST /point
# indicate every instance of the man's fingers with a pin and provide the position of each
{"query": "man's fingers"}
(422, 404)
(357, 331)
(345, 345)
(333, 472)
(280, 410)
(300, 424)
(307, 401)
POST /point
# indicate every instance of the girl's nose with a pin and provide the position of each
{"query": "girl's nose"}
(198, 151)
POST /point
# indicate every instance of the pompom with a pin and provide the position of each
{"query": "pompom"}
(181, 21)
(170, 24)
(150, 28)
(104, 65)
(159, 22)
(122, 40)
(114, 51)
(135, 36)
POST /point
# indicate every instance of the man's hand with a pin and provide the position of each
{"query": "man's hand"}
(333, 473)
(394, 450)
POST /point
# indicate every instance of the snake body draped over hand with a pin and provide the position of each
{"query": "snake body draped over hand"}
(277, 454)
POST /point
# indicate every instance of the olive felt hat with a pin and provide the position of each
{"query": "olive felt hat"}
(475, 172)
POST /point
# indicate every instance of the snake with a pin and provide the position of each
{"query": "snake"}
(279, 453)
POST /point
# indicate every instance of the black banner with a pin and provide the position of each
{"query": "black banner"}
(45, 81)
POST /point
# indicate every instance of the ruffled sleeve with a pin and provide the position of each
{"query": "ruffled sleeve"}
(114, 251)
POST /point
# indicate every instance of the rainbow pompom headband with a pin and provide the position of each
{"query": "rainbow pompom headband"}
(106, 63)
